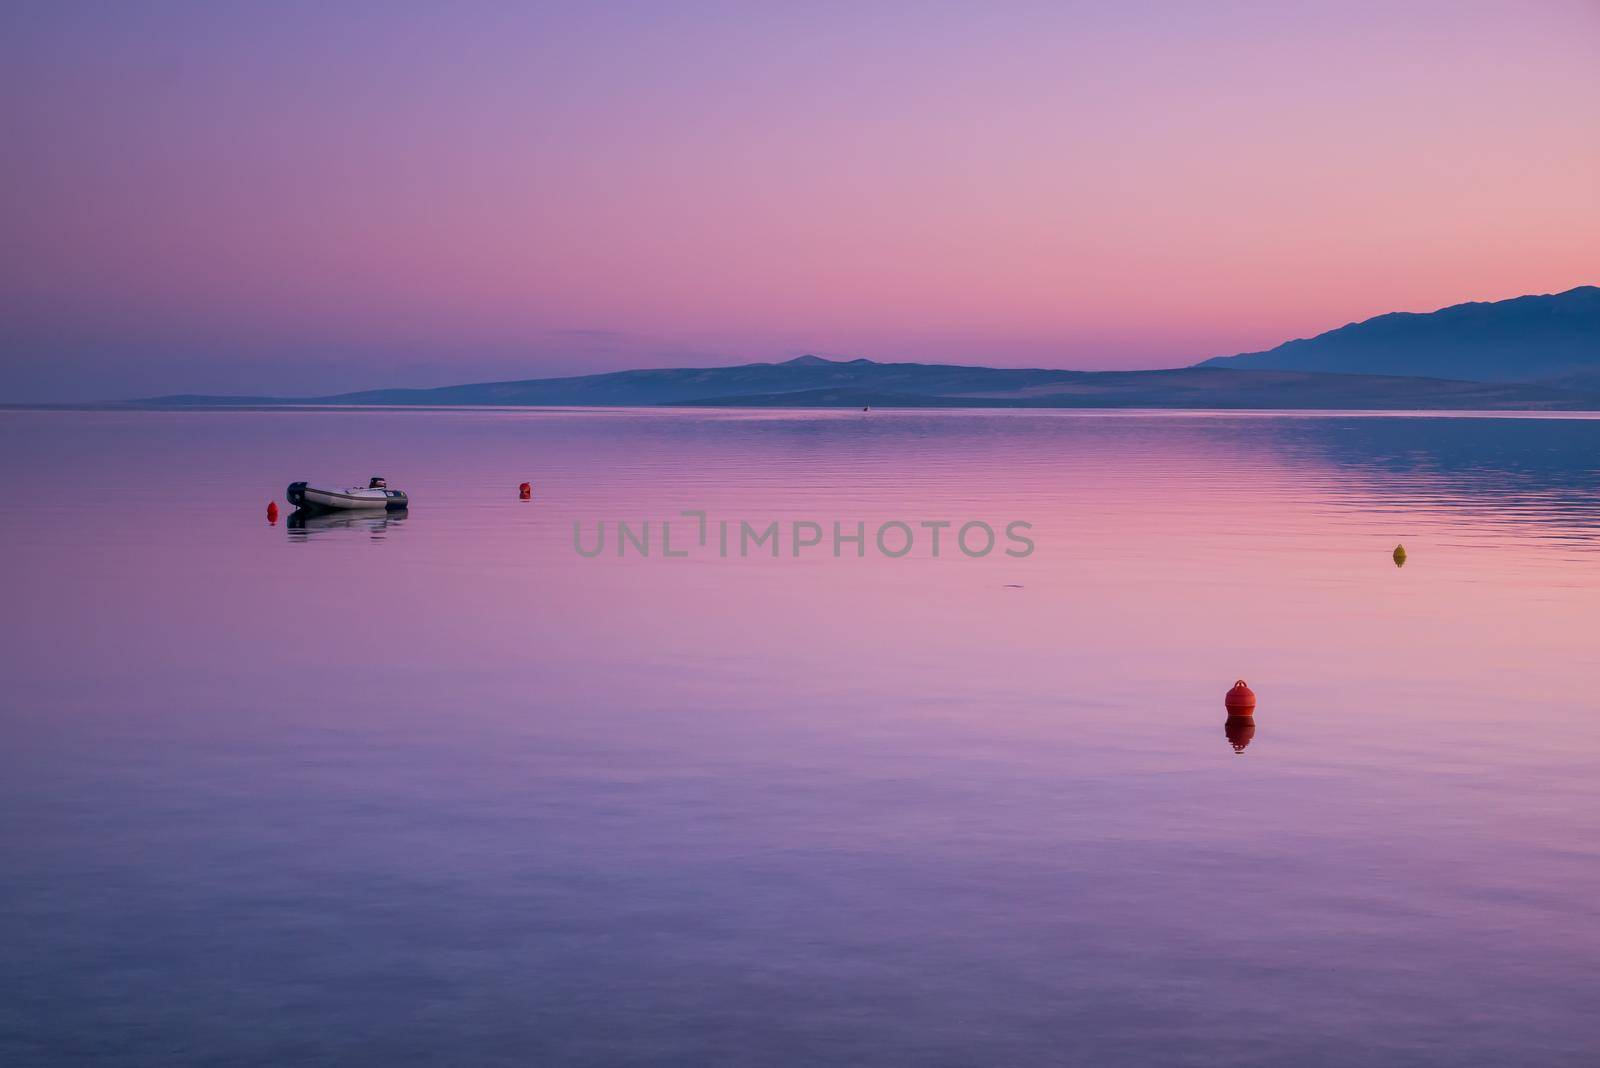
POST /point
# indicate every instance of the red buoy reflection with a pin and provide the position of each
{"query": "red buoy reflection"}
(1239, 729)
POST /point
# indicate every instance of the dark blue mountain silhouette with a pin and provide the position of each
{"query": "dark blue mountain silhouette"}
(1527, 353)
(812, 382)
(1525, 339)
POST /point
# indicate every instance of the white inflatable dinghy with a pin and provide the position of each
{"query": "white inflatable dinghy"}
(375, 494)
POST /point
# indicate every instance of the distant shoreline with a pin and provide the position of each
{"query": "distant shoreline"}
(1581, 415)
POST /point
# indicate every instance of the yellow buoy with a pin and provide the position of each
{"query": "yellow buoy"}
(1399, 556)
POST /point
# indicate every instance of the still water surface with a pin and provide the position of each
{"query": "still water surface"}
(436, 789)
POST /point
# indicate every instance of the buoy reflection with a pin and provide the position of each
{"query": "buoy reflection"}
(1239, 731)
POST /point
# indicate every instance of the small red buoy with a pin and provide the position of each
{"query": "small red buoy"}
(1239, 729)
(272, 512)
(525, 491)
(1241, 700)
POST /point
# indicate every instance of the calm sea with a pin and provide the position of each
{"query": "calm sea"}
(434, 788)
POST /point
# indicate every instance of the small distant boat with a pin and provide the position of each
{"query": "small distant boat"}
(375, 494)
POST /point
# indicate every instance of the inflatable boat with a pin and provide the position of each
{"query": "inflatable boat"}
(375, 494)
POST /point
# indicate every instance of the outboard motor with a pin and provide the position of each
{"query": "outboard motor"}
(378, 483)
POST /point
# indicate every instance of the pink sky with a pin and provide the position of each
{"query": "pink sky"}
(304, 197)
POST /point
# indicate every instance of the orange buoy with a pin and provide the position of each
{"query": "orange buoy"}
(525, 491)
(1241, 700)
(1239, 730)
(272, 512)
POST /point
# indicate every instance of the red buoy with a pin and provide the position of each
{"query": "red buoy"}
(272, 512)
(525, 491)
(1241, 700)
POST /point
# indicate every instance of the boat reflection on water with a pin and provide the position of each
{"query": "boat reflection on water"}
(1239, 729)
(305, 523)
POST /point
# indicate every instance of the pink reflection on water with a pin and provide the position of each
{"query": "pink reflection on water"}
(933, 767)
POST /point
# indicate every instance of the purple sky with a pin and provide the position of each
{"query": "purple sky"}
(292, 197)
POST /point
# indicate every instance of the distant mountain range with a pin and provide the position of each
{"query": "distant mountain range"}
(1540, 352)
(1554, 337)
